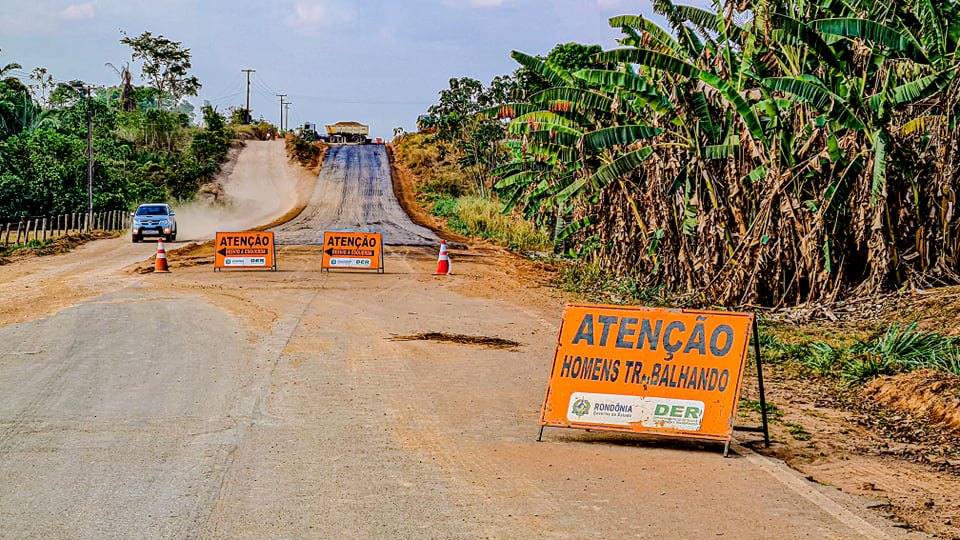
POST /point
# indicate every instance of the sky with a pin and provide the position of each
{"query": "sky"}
(373, 61)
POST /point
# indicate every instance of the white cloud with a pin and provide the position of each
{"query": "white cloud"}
(486, 3)
(322, 14)
(77, 12)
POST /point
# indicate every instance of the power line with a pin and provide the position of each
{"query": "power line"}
(228, 96)
(263, 83)
(324, 99)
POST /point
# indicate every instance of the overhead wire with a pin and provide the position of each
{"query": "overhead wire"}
(324, 99)
(258, 80)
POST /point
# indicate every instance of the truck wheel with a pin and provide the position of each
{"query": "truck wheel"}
(135, 238)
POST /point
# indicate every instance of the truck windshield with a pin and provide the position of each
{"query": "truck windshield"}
(152, 211)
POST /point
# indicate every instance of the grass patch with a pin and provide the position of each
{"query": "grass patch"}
(595, 285)
(434, 163)
(797, 431)
(481, 217)
(33, 244)
(898, 349)
(774, 414)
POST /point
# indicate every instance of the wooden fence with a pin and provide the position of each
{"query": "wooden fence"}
(18, 233)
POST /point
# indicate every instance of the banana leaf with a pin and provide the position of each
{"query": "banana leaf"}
(518, 166)
(721, 151)
(655, 60)
(919, 125)
(879, 164)
(798, 33)
(549, 135)
(698, 102)
(553, 74)
(509, 110)
(546, 118)
(877, 34)
(651, 59)
(932, 31)
(629, 82)
(709, 20)
(912, 91)
(648, 27)
(582, 100)
(576, 227)
(621, 166)
(817, 95)
(601, 139)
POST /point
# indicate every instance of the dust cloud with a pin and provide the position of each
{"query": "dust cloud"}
(261, 188)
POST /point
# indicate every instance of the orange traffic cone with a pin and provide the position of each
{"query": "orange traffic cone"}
(161, 265)
(443, 262)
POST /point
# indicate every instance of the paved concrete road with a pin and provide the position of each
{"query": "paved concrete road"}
(355, 193)
(118, 418)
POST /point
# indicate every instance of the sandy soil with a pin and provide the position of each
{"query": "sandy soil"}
(261, 187)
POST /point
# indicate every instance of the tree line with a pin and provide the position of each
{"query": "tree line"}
(145, 145)
(764, 151)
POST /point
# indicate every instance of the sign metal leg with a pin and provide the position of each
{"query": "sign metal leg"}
(763, 397)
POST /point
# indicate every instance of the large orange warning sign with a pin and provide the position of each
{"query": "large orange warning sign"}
(252, 249)
(346, 249)
(644, 370)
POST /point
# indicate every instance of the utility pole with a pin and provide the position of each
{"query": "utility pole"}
(246, 119)
(280, 125)
(287, 105)
(89, 161)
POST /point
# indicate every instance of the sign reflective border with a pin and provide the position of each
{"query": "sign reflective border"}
(652, 371)
(357, 250)
(252, 249)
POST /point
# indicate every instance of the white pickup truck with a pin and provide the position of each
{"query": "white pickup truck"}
(153, 220)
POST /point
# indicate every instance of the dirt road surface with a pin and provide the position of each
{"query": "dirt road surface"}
(355, 193)
(282, 405)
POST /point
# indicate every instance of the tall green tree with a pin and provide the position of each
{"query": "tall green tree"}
(166, 64)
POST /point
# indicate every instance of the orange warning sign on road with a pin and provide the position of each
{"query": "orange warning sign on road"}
(645, 370)
(251, 249)
(347, 249)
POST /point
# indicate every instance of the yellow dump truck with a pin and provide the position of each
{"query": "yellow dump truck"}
(348, 132)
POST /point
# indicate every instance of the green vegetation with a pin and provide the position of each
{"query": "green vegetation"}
(763, 151)
(145, 146)
(898, 349)
(450, 193)
(477, 216)
(774, 414)
(797, 431)
(595, 285)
